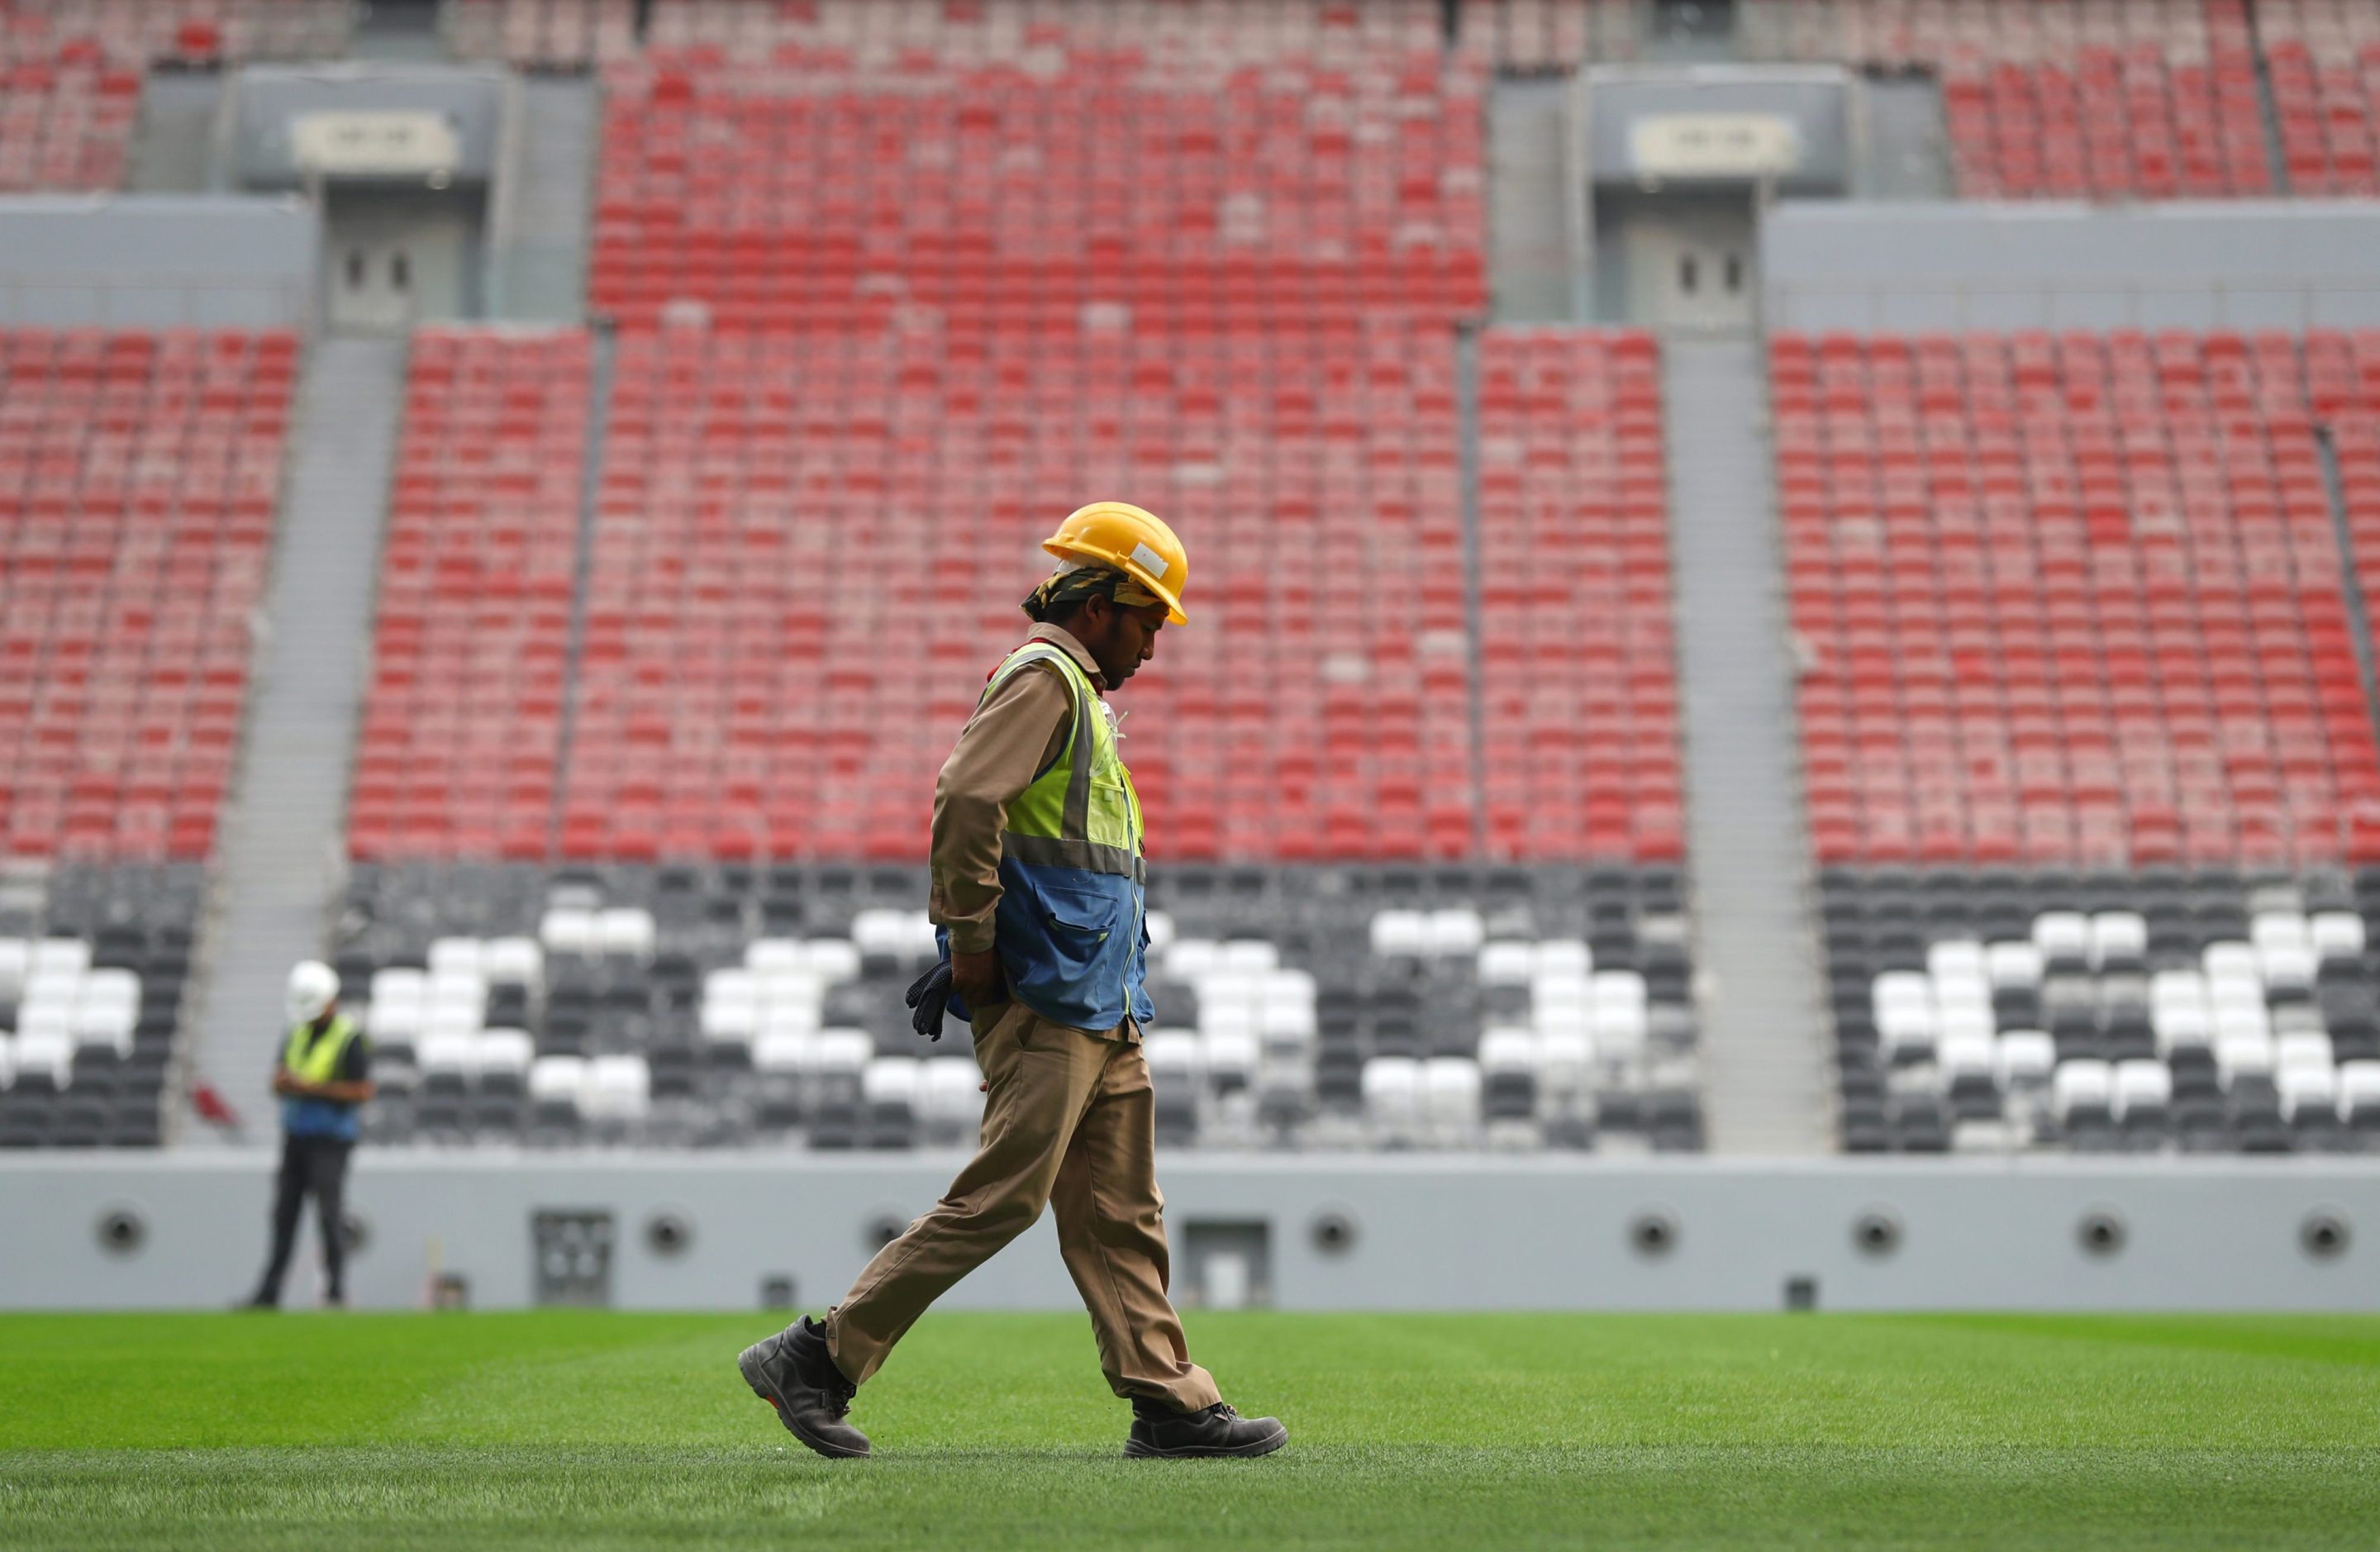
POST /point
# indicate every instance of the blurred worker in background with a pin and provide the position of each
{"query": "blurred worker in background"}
(324, 1078)
(1037, 884)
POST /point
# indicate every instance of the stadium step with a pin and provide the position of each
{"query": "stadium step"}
(541, 275)
(1532, 273)
(277, 866)
(173, 145)
(1764, 1049)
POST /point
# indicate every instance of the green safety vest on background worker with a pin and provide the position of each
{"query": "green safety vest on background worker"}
(315, 1060)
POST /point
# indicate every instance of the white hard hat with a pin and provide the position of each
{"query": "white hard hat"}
(313, 986)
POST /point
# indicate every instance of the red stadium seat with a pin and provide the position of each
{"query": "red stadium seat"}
(2159, 671)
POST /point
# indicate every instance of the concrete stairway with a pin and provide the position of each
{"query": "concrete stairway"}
(279, 867)
(541, 274)
(1531, 270)
(173, 146)
(1765, 1059)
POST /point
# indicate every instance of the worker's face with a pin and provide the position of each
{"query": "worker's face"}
(1121, 639)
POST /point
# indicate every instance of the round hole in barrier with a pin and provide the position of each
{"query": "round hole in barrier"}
(2101, 1232)
(121, 1231)
(667, 1233)
(1653, 1233)
(1334, 1231)
(1876, 1232)
(2324, 1234)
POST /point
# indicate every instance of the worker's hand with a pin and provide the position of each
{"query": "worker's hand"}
(286, 1081)
(978, 979)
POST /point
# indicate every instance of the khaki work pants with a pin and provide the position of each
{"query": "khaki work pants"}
(1070, 1122)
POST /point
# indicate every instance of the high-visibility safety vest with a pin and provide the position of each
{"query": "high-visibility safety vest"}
(318, 1063)
(1071, 928)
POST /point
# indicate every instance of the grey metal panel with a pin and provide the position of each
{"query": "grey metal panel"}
(1813, 98)
(469, 96)
(157, 261)
(1977, 264)
(1466, 1231)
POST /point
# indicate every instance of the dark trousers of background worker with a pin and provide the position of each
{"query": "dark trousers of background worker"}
(315, 1167)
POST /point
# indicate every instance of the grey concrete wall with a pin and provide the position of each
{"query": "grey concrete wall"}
(1431, 1232)
(470, 97)
(1813, 99)
(157, 261)
(1976, 265)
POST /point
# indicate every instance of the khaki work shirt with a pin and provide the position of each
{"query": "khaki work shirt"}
(1016, 735)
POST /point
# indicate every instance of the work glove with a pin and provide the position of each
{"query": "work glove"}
(928, 997)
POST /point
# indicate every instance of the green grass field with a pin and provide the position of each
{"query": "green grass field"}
(578, 1430)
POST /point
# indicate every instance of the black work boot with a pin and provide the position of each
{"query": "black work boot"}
(1161, 1432)
(793, 1372)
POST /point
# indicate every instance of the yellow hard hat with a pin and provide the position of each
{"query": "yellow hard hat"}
(1137, 542)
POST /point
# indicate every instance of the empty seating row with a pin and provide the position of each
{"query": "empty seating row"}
(2069, 599)
(462, 723)
(542, 34)
(139, 474)
(989, 162)
(774, 510)
(2343, 395)
(71, 72)
(1530, 37)
(1348, 1007)
(2205, 1011)
(93, 966)
(137, 32)
(918, 35)
(1577, 676)
(2323, 58)
(2109, 99)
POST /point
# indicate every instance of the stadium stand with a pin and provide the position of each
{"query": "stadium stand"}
(2071, 600)
(1535, 37)
(542, 34)
(138, 476)
(462, 727)
(2087, 744)
(2201, 1008)
(730, 701)
(2323, 58)
(92, 965)
(1577, 668)
(2063, 98)
(992, 161)
(71, 72)
(1452, 1006)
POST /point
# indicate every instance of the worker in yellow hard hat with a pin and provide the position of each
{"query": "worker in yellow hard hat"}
(1119, 535)
(1036, 886)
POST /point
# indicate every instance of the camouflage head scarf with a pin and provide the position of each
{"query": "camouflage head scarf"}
(1072, 583)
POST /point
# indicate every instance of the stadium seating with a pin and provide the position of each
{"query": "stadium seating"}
(830, 167)
(71, 72)
(1531, 37)
(2343, 394)
(1577, 670)
(776, 512)
(92, 963)
(138, 478)
(2071, 600)
(462, 722)
(2105, 99)
(731, 1004)
(2200, 1009)
(2323, 57)
(542, 34)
